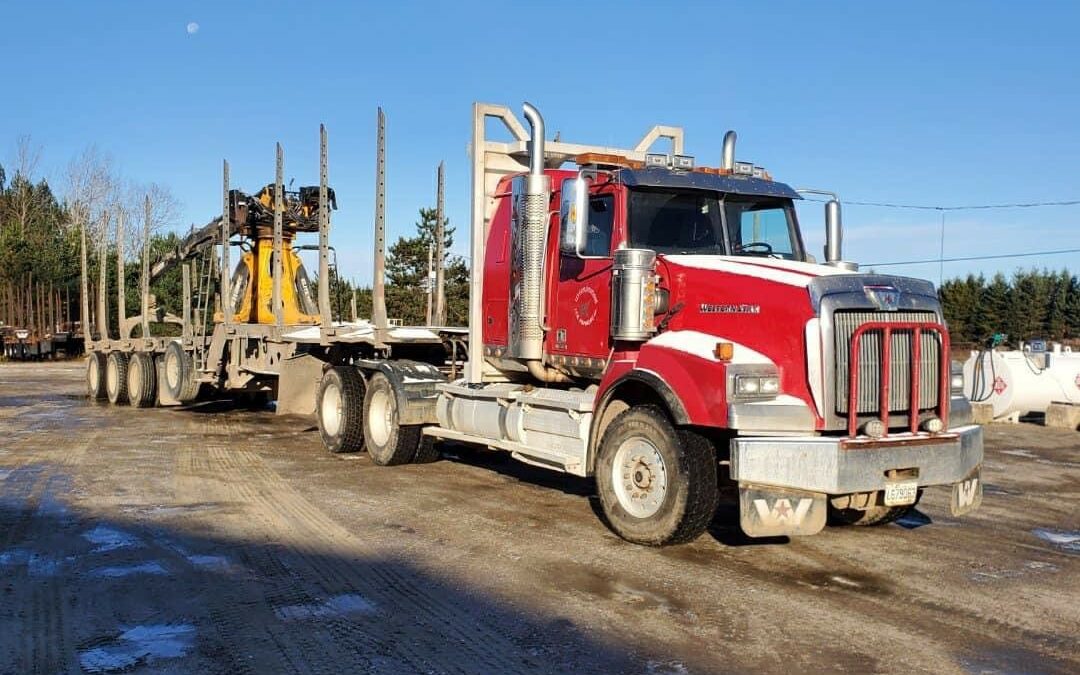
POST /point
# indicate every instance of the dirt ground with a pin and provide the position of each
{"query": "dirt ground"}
(218, 540)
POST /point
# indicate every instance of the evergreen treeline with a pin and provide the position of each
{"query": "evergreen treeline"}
(1031, 304)
(38, 256)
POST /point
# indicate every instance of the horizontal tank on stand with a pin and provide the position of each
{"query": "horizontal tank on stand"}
(1023, 381)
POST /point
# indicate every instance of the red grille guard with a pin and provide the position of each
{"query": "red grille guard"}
(886, 329)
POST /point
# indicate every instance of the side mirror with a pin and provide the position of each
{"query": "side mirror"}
(574, 216)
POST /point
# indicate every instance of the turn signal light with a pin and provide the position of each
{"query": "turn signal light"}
(724, 351)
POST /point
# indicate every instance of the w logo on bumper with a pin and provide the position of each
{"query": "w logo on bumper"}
(775, 512)
(966, 495)
(781, 511)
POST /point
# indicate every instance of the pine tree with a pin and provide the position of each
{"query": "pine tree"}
(407, 270)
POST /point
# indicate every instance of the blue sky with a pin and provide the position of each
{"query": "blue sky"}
(918, 102)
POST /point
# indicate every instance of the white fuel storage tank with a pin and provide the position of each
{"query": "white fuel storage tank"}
(1022, 381)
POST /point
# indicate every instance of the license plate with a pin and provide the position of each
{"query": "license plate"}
(901, 494)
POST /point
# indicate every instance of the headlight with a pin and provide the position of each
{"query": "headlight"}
(755, 385)
(956, 381)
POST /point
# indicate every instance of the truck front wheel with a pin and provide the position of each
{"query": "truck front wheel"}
(388, 442)
(657, 485)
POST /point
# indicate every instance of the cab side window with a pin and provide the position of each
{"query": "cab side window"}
(601, 224)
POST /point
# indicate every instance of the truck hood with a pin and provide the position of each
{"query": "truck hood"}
(819, 280)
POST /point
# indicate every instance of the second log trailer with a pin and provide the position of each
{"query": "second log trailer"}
(636, 318)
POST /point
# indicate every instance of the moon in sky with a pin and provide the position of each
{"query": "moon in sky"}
(192, 28)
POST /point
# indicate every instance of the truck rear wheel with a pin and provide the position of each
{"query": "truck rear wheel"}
(116, 371)
(95, 376)
(848, 510)
(181, 381)
(657, 485)
(388, 442)
(340, 405)
(142, 380)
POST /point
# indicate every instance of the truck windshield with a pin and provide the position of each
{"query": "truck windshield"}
(694, 222)
(676, 222)
(763, 227)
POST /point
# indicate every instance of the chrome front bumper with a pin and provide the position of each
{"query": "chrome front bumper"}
(837, 466)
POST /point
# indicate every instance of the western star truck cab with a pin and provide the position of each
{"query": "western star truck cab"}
(660, 326)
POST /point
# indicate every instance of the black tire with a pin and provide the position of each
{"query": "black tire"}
(116, 371)
(339, 406)
(426, 451)
(682, 511)
(95, 376)
(873, 514)
(142, 380)
(387, 442)
(180, 379)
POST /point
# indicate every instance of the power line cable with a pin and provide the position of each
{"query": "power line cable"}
(973, 207)
(975, 257)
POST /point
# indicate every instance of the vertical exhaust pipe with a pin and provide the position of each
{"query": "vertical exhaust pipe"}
(727, 160)
(529, 321)
(527, 334)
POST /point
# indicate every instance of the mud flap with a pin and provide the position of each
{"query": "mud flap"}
(774, 512)
(967, 494)
(164, 400)
(298, 383)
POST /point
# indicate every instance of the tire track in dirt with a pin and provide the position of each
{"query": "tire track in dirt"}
(940, 618)
(477, 644)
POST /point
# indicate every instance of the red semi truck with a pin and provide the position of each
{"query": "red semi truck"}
(659, 325)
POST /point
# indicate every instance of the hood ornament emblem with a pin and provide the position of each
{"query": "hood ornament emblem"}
(885, 298)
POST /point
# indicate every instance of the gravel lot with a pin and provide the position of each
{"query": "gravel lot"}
(219, 540)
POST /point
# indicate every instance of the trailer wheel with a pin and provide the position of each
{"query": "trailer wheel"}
(657, 485)
(388, 442)
(340, 407)
(95, 376)
(846, 512)
(116, 371)
(181, 380)
(142, 380)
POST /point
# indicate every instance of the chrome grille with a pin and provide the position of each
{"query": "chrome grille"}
(870, 367)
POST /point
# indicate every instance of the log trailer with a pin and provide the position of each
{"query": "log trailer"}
(659, 326)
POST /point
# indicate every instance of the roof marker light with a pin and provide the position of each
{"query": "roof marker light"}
(682, 163)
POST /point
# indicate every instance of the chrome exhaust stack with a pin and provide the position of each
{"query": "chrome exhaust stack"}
(531, 197)
(727, 161)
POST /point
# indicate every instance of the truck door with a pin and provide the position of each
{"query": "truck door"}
(582, 297)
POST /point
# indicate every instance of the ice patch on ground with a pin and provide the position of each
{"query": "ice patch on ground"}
(109, 539)
(128, 570)
(1020, 453)
(4, 473)
(37, 565)
(1070, 541)
(218, 562)
(339, 605)
(138, 645)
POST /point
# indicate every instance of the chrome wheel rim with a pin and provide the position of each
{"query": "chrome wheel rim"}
(112, 377)
(172, 371)
(134, 378)
(639, 477)
(380, 417)
(93, 377)
(330, 414)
